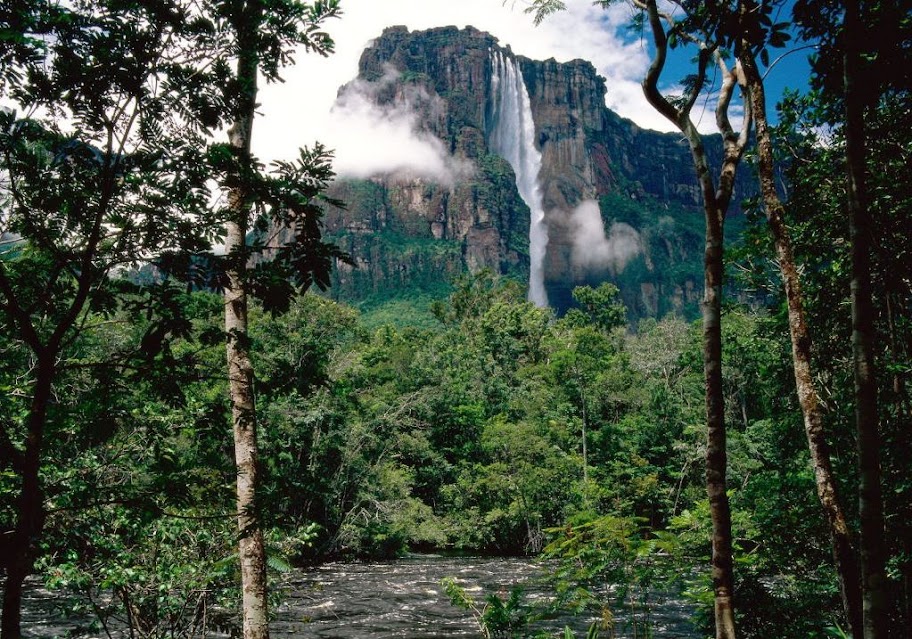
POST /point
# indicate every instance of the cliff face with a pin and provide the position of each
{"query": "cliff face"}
(412, 233)
(404, 230)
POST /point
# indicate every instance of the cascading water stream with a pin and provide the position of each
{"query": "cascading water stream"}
(513, 138)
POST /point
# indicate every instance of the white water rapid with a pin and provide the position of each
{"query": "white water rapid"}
(513, 138)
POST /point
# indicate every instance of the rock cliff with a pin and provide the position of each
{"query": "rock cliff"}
(620, 202)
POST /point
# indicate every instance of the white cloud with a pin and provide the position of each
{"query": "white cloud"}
(593, 248)
(296, 113)
(397, 144)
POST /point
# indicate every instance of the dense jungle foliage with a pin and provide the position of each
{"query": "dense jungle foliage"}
(500, 430)
(495, 427)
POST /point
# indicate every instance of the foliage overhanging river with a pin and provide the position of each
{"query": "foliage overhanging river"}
(400, 598)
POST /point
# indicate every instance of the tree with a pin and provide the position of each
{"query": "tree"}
(863, 64)
(756, 32)
(870, 499)
(263, 36)
(138, 519)
(600, 308)
(116, 175)
(860, 78)
(103, 171)
(700, 26)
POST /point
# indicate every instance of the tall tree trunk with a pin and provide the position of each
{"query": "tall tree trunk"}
(808, 397)
(715, 206)
(870, 503)
(30, 505)
(716, 456)
(251, 549)
(715, 203)
(240, 376)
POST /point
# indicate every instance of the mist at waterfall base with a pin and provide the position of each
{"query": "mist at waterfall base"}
(596, 250)
(512, 137)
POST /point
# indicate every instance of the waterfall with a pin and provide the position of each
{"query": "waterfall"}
(513, 138)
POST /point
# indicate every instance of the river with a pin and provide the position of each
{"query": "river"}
(404, 599)
(401, 598)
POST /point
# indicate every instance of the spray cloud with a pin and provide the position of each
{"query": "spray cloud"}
(593, 248)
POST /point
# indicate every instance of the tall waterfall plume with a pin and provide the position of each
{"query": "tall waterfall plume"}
(513, 138)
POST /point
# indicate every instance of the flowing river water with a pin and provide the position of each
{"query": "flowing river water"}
(400, 598)
(404, 598)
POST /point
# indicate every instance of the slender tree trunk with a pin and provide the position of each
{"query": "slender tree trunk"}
(808, 397)
(30, 505)
(716, 456)
(870, 502)
(714, 206)
(240, 368)
(240, 375)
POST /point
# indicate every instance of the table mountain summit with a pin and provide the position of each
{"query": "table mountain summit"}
(603, 199)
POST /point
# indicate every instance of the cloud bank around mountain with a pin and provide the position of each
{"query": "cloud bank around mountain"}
(370, 138)
(297, 112)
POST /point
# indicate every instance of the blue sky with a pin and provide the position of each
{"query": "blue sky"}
(789, 66)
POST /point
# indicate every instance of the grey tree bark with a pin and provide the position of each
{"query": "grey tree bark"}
(251, 549)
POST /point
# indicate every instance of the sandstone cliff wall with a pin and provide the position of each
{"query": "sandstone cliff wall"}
(403, 229)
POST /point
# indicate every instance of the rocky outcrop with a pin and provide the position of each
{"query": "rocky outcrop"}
(404, 233)
(396, 226)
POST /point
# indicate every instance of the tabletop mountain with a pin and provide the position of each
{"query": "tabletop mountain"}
(538, 180)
